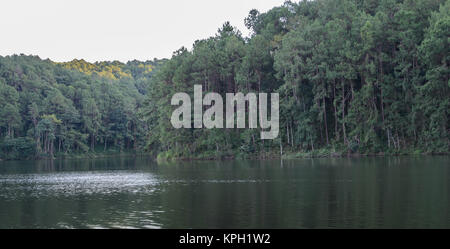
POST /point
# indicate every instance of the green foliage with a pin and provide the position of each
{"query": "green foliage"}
(358, 76)
(17, 148)
(354, 76)
(57, 110)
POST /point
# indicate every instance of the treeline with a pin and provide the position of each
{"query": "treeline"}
(50, 109)
(362, 76)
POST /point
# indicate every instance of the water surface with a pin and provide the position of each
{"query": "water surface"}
(127, 192)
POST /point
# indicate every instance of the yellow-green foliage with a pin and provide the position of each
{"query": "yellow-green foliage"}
(147, 68)
(52, 117)
(111, 70)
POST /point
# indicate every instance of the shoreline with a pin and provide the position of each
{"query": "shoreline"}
(80, 156)
(301, 155)
(262, 156)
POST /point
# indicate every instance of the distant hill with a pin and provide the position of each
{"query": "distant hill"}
(53, 108)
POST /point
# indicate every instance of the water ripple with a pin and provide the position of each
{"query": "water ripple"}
(75, 183)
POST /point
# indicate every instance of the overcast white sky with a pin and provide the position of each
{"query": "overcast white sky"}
(97, 30)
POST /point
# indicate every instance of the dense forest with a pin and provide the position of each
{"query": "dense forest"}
(51, 109)
(354, 76)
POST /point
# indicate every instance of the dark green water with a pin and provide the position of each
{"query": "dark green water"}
(394, 192)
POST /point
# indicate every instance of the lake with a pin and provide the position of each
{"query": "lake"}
(128, 192)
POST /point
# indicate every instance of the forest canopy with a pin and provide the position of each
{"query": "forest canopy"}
(353, 76)
(75, 107)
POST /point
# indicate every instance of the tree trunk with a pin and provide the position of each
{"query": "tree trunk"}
(343, 113)
(287, 133)
(389, 139)
(281, 146)
(381, 90)
(92, 142)
(292, 135)
(336, 133)
(325, 119)
(51, 149)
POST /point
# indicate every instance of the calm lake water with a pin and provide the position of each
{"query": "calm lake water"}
(126, 192)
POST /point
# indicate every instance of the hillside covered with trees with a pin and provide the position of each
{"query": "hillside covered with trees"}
(51, 109)
(354, 76)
